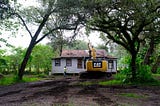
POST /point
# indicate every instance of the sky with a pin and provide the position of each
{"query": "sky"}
(22, 38)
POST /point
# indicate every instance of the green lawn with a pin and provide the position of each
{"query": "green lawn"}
(11, 79)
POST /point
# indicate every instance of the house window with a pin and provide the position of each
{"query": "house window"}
(110, 64)
(57, 62)
(68, 62)
(79, 63)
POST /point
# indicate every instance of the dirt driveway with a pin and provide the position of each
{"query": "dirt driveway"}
(66, 92)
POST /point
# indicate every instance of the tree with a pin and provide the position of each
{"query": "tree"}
(79, 45)
(123, 22)
(101, 46)
(41, 58)
(4, 8)
(58, 41)
(5, 13)
(3, 63)
(51, 11)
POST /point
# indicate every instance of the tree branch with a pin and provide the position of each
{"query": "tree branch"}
(24, 24)
(61, 27)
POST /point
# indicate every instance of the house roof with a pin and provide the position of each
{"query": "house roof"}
(83, 53)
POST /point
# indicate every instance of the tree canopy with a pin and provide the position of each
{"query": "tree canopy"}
(123, 21)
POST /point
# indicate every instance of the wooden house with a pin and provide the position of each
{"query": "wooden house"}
(75, 60)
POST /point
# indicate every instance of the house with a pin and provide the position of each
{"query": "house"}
(75, 60)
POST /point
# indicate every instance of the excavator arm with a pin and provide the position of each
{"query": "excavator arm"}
(92, 51)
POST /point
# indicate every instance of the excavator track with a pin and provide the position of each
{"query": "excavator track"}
(93, 75)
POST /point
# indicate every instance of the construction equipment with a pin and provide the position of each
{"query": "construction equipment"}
(95, 67)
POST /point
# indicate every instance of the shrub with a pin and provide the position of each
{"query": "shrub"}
(158, 71)
(144, 74)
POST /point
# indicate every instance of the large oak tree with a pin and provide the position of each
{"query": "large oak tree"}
(50, 12)
(123, 21)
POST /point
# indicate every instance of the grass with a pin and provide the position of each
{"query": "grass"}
(11, 79)
(119, 80)
(111, 82)
(87, 83)
(132, 95)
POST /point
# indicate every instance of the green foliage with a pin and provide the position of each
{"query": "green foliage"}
(4, 8)
(115, 18)
(79, 45)
(144, 74)
(158, 71)
(102, 46)
(120, 76)
(40, 59)
(123, 63)
(124, 75)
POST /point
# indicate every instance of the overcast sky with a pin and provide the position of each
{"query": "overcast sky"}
(22, 38)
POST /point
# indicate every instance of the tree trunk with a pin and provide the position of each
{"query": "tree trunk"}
(149, 53)
(31, 46)
(156, 65)
(61, 47)
(25, 60)
(133, 66)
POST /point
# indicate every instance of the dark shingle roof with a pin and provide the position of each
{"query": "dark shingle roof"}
(83, 53)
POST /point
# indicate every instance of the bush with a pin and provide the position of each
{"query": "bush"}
(124, 75)
(158, 71)
(144, 74)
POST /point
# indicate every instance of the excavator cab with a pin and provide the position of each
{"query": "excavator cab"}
(95, 67)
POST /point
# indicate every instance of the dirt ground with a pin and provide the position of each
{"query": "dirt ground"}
(66, 92)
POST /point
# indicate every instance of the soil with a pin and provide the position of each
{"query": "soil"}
(67, 92)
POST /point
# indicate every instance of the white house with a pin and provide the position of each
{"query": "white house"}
(75, 60)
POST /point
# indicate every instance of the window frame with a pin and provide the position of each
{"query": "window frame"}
(110, 64)
(68, 62)
(57, 62)
(79, 63)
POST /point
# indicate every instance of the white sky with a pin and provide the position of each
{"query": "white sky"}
(23, 41)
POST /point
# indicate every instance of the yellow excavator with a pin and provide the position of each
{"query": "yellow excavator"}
(95, 67)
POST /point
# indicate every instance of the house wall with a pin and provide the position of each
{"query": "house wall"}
(70, 69)
(114, 69)
(74, 69)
